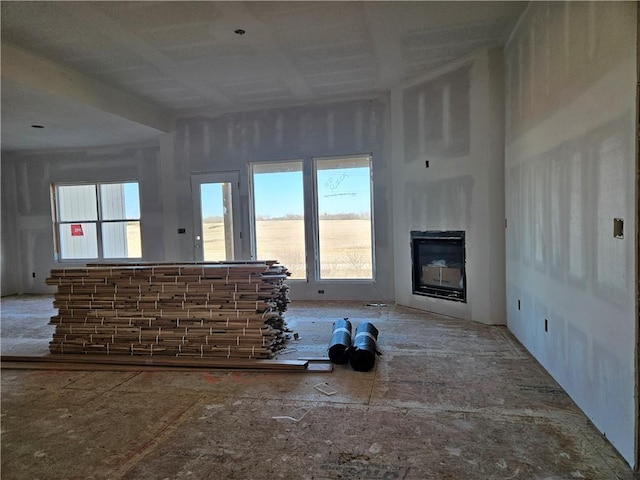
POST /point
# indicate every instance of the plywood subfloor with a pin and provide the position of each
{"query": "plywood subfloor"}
(447, 400)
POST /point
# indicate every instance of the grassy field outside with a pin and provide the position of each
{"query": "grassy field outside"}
(345, 245)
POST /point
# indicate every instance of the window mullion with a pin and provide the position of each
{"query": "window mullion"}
(314, 244)
(56, 222)
(99, 222)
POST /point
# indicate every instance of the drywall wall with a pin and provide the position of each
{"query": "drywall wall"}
(28, 204)
(229, 142)
(219, 143)
(571, 78)
(10, 266)
(453, 119)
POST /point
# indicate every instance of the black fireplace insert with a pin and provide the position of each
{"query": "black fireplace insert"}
(438, 264)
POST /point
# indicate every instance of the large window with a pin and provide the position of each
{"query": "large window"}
(343, 191)
(278, 206)
(97, 221)
(340, 210)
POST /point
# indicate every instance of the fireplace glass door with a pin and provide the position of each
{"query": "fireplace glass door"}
(438, 259)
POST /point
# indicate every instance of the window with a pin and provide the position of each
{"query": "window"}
(343, 191)
(278, 207)
(97, 221)
(341, 210)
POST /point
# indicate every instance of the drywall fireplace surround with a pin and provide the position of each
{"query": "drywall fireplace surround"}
(453, 180)
(438, 265)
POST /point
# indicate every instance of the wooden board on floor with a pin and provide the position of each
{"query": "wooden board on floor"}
(176, 362)
(97, 367)
(317, 367)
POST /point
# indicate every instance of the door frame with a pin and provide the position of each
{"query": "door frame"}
(201, 178)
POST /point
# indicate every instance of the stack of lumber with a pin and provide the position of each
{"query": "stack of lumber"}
(215, 310)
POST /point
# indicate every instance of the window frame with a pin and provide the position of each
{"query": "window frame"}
(316, 219)
(311, 216)
(55, 215)
(305, 211)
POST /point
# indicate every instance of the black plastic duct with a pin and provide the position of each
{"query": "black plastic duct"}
(363, 356)
(340, 345)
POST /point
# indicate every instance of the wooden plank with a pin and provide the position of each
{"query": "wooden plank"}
(201, 309)
(95, 367)
(317, 367)
(159, 361)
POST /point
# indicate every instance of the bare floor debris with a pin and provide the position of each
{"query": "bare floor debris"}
(325, 388)
(448, 400)
(293, 419)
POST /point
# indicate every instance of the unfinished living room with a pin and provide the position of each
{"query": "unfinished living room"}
(319, 240)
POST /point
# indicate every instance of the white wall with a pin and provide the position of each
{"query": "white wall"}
(462, 189)
(26, 209)
(571, 169)
(205, 144)
(230, 141)
(10, 248)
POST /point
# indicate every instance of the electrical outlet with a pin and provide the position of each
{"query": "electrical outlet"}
(618, 228)
(320, 291)
(33, 274)
(518, 304)
(546, 325)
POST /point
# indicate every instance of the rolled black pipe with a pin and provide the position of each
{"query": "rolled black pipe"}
(363, 354)
(340, 345)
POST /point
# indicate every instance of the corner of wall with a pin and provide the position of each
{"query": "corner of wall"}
(462, 185)
(10, 266)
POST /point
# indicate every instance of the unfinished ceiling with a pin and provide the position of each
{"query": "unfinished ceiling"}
(102, 73)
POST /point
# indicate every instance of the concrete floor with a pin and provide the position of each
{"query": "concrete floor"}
(448, 399)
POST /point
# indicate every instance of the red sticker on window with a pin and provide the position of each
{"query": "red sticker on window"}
(76, 230)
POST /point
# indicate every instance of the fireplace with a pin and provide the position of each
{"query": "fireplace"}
(438, 264)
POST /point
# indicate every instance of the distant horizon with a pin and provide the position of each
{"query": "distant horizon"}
(281, 194)
(290, 216)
